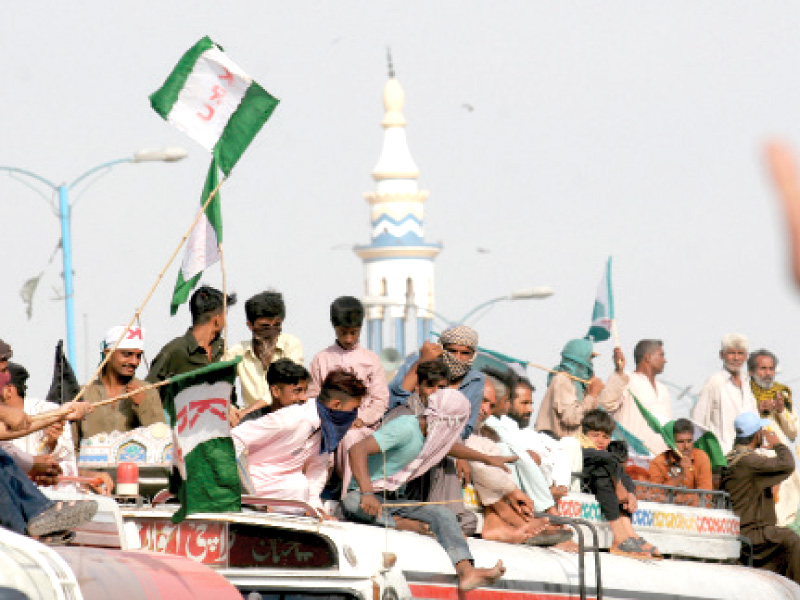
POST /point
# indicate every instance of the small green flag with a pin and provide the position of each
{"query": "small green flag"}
(603, 311)
(203, 454)
(702, 438)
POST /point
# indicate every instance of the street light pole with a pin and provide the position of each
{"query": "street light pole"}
(537, 292)
(65, 218)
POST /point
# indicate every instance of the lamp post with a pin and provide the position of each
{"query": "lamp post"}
(64, 214)
(529, 294)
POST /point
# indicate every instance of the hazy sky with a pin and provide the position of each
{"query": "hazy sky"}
(617, 128)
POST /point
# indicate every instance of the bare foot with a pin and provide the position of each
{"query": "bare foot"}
(568, 546)
(558, 492)
(470, 578)
(403, 524)
(534, 526)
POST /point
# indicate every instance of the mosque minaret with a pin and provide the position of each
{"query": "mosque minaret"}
(398, 262)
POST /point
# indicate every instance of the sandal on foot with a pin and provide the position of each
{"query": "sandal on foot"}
(651, 552)
(630, 548)
(549, 538)
(57, 538)
(63, 515)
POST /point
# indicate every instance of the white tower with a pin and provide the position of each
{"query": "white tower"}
(398, 263)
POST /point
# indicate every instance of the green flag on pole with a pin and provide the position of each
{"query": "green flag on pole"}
(213, 101)
(203, 454)
(603, 311)
(702, 438)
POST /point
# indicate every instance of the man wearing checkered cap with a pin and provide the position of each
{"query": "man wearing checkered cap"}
(117, 378)
(457, 349)
(749, 478)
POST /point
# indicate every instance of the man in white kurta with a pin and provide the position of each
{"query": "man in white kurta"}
(652, 394)
(283, 453)
(726, 394)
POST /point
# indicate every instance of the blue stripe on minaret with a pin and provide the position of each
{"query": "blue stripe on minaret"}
(388, 219)
(387, 239)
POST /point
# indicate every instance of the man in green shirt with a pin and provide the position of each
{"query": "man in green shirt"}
(201, 345)
(406, 448)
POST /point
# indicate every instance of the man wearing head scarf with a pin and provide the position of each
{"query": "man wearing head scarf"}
(404, 449)
(117, 378)
(726, 394)
(569, 397)
(457, 348)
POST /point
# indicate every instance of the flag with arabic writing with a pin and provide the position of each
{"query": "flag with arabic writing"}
(213, 101)
(204, 476)
(603, 310)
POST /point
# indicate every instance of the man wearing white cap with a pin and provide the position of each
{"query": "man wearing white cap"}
(749, 478)
(117, 378)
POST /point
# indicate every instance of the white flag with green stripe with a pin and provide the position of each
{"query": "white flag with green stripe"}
(212, 100)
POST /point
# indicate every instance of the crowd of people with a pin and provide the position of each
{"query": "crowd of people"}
(399, 453)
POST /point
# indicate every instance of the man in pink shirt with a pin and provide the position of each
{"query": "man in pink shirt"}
(288, 451)
(347, 317)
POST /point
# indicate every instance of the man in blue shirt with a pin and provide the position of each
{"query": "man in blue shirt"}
(458, 347)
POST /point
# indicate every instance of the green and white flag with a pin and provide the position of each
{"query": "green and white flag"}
(205, 477)
(702, 438)
(603, 311)
(202, 247)
(212, 100)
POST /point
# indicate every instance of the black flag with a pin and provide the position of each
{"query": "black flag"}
(64, 386)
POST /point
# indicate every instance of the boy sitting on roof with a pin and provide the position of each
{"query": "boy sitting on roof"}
(404, 449)
(604, 474)
(289, 450)
(288, 385)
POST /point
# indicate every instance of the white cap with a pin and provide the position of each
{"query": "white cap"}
(133, 340)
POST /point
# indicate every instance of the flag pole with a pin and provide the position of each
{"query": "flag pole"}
(152, 290)
(224, 298)
(570, 375)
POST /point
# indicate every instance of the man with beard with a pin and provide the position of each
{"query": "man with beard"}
(726, 394)
(568, 398)
(119, 377)
(457, 350)
(557, 458)
(265, 313)
(653, 395)
(775, 403)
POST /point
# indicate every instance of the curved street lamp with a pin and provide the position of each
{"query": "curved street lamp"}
(64, 214)
(527, 294)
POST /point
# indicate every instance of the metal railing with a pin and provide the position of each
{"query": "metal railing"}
(595, 548)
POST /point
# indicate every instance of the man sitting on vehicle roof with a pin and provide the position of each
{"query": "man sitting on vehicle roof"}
(749, 479)
(288, 385)
(508, 511)
(686, 466)
(289, 450)
(558, 458)
(527, 473)
(117, 378)
(402, 450)
(459, 345)
(442, 482)
(604, 475)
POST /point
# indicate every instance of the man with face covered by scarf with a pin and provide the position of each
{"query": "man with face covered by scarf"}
(457, 349)
(567, 399)
(288, 451)
(403, 450)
